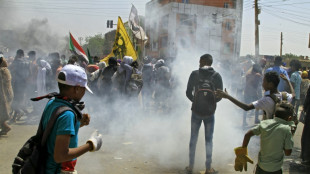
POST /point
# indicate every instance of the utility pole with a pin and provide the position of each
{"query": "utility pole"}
(281, 44)
(257, 23)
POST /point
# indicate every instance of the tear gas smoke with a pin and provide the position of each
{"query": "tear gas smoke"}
(33, 35)
(164, 137)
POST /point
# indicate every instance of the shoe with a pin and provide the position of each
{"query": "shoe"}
(5, 131)
(188, 170)
(211, 171)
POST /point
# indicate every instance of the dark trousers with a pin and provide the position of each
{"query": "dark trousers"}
(261, 171)
(209, 128)
(305, 139)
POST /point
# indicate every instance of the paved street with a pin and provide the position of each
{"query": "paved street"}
(153, 146)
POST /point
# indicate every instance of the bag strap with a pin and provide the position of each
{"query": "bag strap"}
(55, 115)
(210, 78)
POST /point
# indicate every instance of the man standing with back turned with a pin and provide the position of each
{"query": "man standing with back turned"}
(200, 91)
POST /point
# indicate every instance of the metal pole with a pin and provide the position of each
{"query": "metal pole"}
(281, 44)
(257, 22)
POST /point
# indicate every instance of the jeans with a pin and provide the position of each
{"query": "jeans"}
(209, 129)
(261, 171)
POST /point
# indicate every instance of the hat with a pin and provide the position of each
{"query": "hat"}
(75, 76)
(1, 55)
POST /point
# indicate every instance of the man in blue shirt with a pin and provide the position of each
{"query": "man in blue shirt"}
(296, 82)
(62, 144)
(279, 70)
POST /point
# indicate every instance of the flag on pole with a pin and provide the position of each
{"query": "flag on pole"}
(89, 57)
(134, 25)
(76, 48)
(122, 45)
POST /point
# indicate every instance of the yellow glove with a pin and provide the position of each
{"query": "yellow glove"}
(241, 159)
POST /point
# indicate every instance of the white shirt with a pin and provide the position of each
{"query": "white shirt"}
(267, 104)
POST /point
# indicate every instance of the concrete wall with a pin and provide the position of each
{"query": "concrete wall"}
(210, 28)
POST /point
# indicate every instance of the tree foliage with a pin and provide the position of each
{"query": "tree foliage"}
(95, 45)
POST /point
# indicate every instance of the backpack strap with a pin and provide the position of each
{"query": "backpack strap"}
(210, 78)
(276, 100)
(55, 115)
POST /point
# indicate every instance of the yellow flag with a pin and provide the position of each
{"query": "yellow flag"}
(122, 45)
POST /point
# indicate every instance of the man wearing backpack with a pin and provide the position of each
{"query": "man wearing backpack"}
(62, 144)
(203, 83)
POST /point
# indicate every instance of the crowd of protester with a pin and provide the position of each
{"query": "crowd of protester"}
(30, 76)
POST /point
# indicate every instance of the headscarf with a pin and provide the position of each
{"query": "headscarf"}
(45, 64)
(102, 65)
(126, 60)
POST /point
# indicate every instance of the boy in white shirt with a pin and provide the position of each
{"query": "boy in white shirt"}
(267, 102)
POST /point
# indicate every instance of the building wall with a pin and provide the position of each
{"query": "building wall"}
(210, 28)
(214, 3)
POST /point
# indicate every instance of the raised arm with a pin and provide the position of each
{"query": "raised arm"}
(283, 76)
(224, 94)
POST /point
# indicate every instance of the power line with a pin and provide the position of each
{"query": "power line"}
(289, 4)
(304, 18)
(287, 19)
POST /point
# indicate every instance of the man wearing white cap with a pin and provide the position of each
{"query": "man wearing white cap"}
(62, 144)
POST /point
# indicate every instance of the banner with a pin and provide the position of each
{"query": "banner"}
(122, 45)
(134, 25)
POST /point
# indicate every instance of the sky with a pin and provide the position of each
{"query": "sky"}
(88, 17)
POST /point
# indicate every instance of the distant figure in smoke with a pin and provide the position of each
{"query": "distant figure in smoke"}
(31, 83)
(63, 60)
(6, 95)
(148, 82)
(252, 90)
(296, 82)
(207, 77)
(105, 79)
(33, 70)
(20, 71)
(43, 71)
(73, 60)
(122, 74)
(94, 76)
(279, 70)
(162, 84)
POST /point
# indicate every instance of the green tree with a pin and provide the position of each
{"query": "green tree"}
(95, 45)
